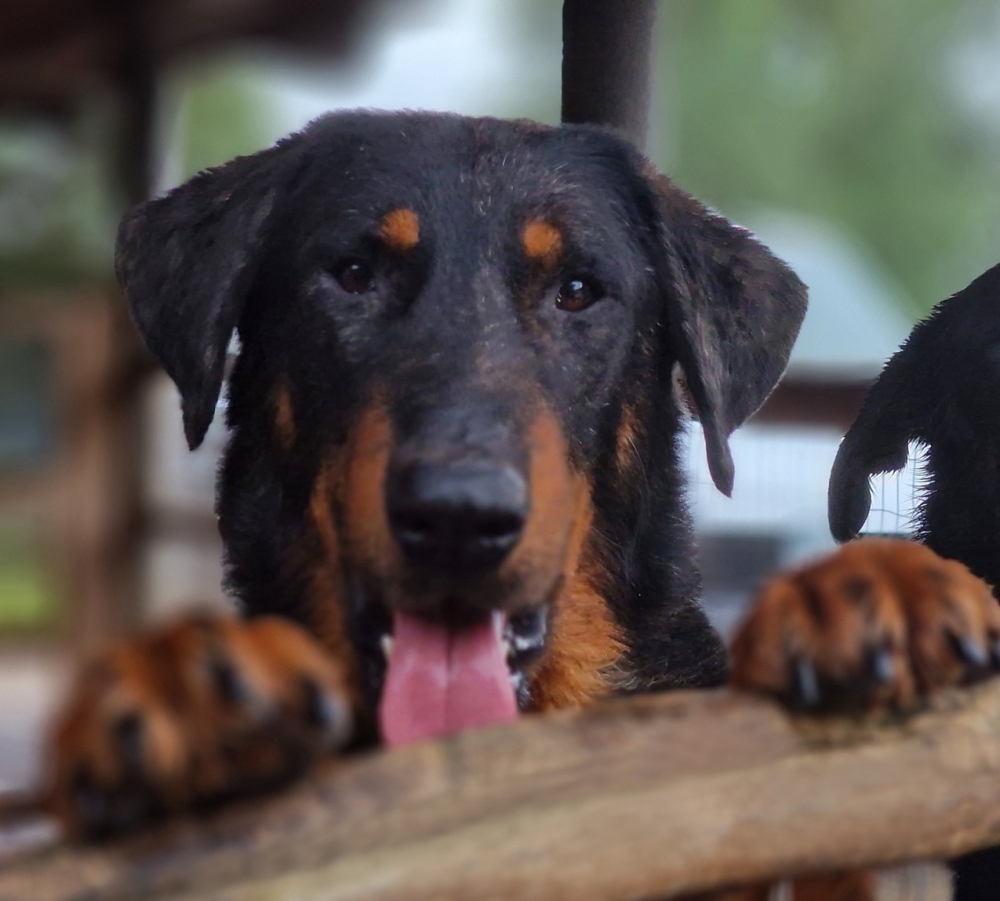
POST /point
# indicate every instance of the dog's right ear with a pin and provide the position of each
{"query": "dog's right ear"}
(734, 311)
(186, 262)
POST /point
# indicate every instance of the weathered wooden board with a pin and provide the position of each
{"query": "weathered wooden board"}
(637, 798)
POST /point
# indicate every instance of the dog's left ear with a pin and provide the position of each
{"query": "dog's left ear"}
(733, 310)
(186, 262)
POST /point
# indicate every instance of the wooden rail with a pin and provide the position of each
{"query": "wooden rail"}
(639, 798)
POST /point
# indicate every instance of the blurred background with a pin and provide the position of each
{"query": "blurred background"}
(860, 140)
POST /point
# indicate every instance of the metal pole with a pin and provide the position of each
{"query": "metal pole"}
(607, 63)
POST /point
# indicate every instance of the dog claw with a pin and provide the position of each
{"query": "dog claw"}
(806, 683)
(228, 682)
(969, 650)
(327, 714)
(128, 735)
(89, 803)
(883, 668)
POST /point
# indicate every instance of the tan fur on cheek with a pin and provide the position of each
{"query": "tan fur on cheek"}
(368, 534)
(585, 643)
(327, 591)
(627, 443)
(285, 431)
(540, 554)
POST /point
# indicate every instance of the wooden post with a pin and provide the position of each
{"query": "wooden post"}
(136, 75)
(653, 796)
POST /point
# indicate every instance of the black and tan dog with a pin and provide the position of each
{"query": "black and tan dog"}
(466, 350)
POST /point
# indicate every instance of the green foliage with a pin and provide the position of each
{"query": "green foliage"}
(223, 113)
(846, 110)
(59, 198)
(842, 109)
(56, 217)
(27, 594)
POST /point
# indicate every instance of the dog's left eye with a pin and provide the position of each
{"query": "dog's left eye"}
(578, 293)
(354, 276)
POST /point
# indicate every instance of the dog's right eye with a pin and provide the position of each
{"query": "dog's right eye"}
(354, 276)
(576, 294)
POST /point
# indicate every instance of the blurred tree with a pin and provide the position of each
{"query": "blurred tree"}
(852, 111)
(59, 197)
(224, 111)
(844, 109)
(56, 215)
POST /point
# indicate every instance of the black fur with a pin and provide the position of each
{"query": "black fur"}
(462, 330)
(942, 389)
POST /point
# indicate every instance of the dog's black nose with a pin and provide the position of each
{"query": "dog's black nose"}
(457, 518)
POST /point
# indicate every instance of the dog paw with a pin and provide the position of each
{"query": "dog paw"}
(194, 713)
(879, 623)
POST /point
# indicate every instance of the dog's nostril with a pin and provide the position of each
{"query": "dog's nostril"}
(443, 522)
(500, 525)
(414, 524)
(457, 517)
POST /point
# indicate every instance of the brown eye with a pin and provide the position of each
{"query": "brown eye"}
(355, 276)
(577, 294)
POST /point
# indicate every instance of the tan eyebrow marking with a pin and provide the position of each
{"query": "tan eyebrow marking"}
(542, 241)
(400, 229)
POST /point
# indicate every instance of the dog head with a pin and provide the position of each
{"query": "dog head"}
(457, 337)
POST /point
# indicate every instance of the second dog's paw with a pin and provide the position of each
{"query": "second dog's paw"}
(879, 623)
(196, 712)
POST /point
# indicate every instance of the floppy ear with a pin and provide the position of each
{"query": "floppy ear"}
(894, 412)
(938, 388)
(186, 261)
(877, 442)
(734, 311)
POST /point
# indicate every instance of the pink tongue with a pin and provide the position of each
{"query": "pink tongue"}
(441, 682)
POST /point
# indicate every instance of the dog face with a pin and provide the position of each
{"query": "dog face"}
(462, 342)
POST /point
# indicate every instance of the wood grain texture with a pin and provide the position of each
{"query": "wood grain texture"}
(636, 798)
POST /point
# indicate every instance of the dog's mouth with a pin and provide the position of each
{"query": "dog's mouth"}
(428, 679)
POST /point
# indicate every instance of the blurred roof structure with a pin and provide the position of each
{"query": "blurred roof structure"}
(855, 320)
(54, 53)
